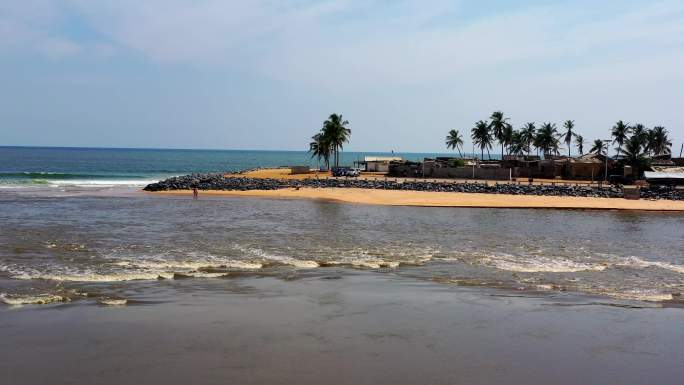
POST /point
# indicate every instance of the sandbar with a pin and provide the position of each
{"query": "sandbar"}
(448, 199)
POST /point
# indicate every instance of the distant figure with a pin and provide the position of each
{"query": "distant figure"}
(194, 193)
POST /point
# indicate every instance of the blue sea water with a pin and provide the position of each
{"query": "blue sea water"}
(54, 166)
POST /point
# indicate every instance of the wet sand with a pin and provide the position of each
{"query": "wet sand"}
(362, 328)
(450, 199)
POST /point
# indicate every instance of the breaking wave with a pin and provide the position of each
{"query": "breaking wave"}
(285, 260)
(636, 262)
(39, 299)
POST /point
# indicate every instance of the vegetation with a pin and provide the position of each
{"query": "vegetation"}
(659, 143)
(620, 132)
(527, 135)
(518, 144)
(500, 127)
(330, 140)
(569, 133)
(635, 155)
(599, 147)
(547, 139)
(482, 137)
(579, 140)
(455, 141)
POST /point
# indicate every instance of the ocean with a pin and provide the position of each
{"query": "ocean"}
(74, 222)
(22, 167)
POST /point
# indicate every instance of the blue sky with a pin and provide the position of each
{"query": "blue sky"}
(265, 74)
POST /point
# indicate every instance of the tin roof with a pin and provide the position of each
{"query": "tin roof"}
(381, 158)
(663, 175)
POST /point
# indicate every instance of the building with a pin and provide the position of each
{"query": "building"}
(670, 176)
(588, 167)
(377, 163)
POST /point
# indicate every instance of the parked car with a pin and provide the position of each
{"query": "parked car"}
(345, 171)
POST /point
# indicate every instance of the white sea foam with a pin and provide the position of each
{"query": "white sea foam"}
(39, 299)
(640, 295)
(99, 183)
(371, 263)
(637, 262)
(113, 301)
(186, 266)
(538, 264)
(300, 263)
(94, 277)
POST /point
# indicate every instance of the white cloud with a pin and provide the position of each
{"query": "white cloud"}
(409, 61)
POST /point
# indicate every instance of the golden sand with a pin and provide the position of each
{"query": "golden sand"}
(448, 199)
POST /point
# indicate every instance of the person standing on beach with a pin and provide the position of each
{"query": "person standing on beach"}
(195, 194)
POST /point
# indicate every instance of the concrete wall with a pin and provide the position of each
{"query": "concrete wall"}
(299, 169)
(430, 171)
(379, 166)
(585, 171)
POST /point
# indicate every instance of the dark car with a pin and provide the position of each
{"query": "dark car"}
(345, 171)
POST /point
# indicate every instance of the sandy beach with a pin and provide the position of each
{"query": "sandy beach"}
(449, 199)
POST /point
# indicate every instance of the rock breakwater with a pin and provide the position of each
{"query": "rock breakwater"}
(223, 183)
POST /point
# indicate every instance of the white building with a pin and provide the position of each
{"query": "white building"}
(379, 163)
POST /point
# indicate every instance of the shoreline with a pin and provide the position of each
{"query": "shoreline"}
(444, 199)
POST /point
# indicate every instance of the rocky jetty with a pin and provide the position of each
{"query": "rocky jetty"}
(220, 182)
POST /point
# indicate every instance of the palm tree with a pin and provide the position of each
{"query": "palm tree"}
(527, 134)
(579, 140)
(499, 125)
(649, 142)
(569, 125)
(336, 134)
(640, 132)
(508, 137)
(455, 141)
(517, 143)
(320, 149)
(634, 154)
(619, 132)
(547, 138)
(482, 137)
(598, 147)
(660, 144)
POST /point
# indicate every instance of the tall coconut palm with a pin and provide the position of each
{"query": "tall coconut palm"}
(320, 149)
(567, 136)
(482, 137)
(619, 132)
(508, 137)
(527, 134)
(634, 153)
(598, 147)
(579, 141)
(517, 143)
(336, 134)
(660, 143)
(640, 132)
(499, 125)
(547, 138)
(455, 141)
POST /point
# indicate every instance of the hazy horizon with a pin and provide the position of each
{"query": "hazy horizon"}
(264, 76)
